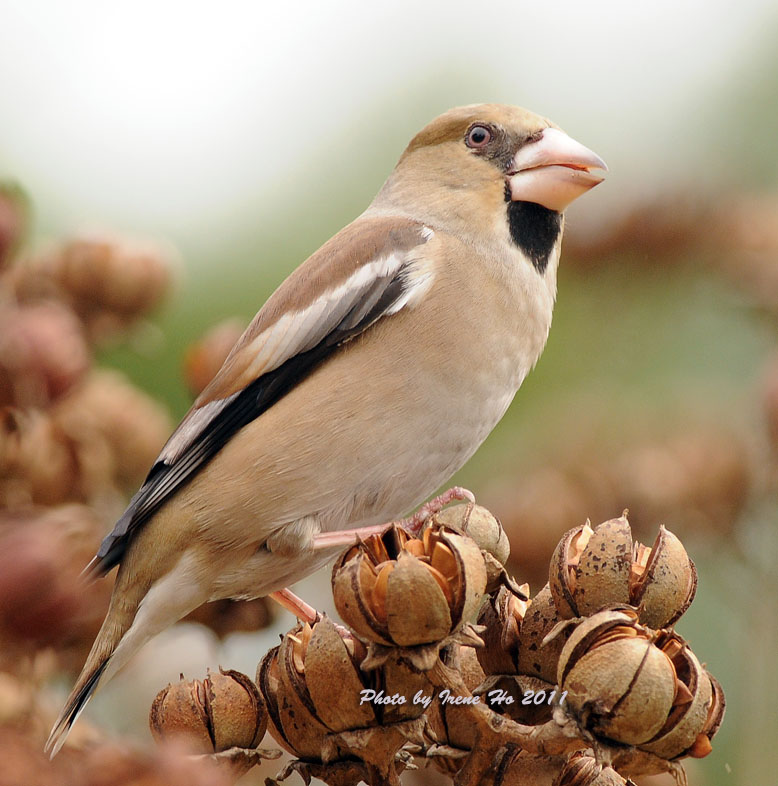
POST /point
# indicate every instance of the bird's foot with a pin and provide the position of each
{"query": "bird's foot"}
(413, 524)
(429, 509)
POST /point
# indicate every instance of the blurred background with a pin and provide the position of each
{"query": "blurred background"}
(166, 165)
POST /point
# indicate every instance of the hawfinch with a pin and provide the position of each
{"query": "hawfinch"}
(368, 378)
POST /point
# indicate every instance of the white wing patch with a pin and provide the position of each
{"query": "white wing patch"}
(299, 331)
(190, 427)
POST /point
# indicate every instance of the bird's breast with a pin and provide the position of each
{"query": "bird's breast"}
(387, 419)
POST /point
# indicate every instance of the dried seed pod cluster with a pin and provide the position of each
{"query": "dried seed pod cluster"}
(108, 284)
(598, 633)
(43, 353)
(408, 679)
(323, 707)
(397, 590)
(594, 568)
(94, 443)
(43, 602)
(223, 711)
(640, 687)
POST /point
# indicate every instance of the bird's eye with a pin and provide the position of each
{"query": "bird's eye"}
(478, 136)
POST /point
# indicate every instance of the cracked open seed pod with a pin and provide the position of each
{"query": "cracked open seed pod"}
(481, 525)
(223, 711)
(397, 590)
(323, 707)
(698, 706)
(502, 618)
(618, 682)
(486, 530)
(595, 568)
(515, 633)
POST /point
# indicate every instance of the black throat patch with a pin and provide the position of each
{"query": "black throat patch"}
(535, 230)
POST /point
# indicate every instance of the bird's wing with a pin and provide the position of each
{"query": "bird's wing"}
(372, 269)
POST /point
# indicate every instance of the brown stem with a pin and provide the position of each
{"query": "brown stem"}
(493, 732)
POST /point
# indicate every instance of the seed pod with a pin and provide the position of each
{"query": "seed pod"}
(323, 707)
(562, 572)
(312, 685)
(304, 738)
(701, 746)
(223, 711)
(592, 569)
(230, 616)
(109, 284)
(235, 709)
(691, 704)
(665, 586)
(470, 667)
(394, 589)
(111, 276)
(502, 617)
(617, 678)
(537, 657)
(479, 524)
(583, 770)
(516, 767)
(37, 461)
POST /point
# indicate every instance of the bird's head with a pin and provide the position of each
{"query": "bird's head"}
(472, 162)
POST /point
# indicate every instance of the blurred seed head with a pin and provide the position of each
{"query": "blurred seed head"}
(206, 356)
(107, 414)
(697, 481)
(43, 599)
(109, 284)
(43, 353)
(14, 209)
(234, 616)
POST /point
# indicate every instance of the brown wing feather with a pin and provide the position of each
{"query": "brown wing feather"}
(244, 389)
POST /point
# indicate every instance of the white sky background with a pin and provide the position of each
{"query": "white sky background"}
(168, 116)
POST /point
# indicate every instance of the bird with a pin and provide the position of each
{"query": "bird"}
(366, 380)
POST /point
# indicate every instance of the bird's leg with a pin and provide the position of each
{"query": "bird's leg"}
(413, 524)
(295, 605)
(348, 537)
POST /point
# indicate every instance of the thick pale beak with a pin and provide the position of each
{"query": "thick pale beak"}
(553, 171)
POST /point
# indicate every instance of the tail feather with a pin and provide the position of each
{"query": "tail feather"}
(75, 705)
(123, 608)
(142, 605)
